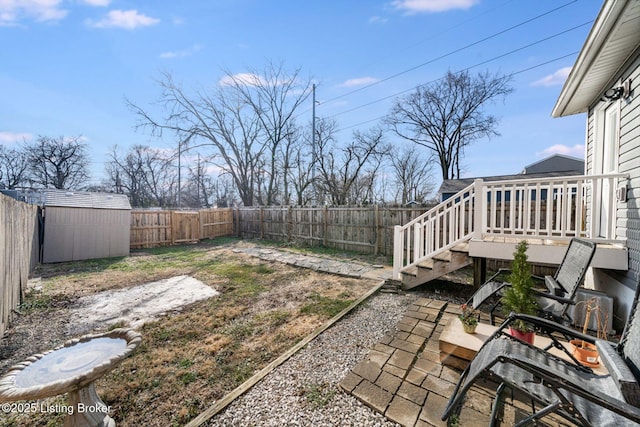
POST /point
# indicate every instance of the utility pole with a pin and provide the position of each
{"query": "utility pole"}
(179, 170)
(313, 146)
(198, 183)
(186, 141)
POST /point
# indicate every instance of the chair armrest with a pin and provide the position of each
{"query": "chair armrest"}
(557, 298)
(553, 286)
(619, 371)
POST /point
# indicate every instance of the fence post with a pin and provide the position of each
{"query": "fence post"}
(172, 226)
(236, 221)
(325, 225)
(376, 228)
(289, 223)
(201, 223)
(261, 221)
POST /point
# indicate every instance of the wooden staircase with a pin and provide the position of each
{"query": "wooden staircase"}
(437, 266)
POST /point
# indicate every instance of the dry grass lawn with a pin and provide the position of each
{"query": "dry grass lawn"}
(191, 357)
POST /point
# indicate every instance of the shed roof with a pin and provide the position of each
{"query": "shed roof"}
(82, 199)
(610, 44)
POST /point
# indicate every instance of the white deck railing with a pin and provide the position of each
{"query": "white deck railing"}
(549, 208)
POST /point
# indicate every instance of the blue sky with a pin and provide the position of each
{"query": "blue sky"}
(66, 66)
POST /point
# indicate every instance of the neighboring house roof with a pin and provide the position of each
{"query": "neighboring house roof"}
(552, 166)
(81, 199)
(452, 186)
(611, 43)
(556, 163)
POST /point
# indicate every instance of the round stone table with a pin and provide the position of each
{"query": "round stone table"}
(71, 368)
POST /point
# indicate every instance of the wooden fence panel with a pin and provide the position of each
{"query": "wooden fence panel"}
(216, 223)
(163, 228)
(389, 218)
(248, 222)
(150, 228)
(185, 227)
(367, 229)
(306, 225)
(17, 228)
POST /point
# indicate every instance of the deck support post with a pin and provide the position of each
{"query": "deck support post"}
(479, 271)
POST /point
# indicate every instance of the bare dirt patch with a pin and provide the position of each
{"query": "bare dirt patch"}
(139, 304)
(195, 354)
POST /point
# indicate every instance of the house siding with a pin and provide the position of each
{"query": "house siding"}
(629, 162)
(627, 213)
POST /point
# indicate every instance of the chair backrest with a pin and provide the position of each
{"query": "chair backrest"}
(629, 345)
(574, 265)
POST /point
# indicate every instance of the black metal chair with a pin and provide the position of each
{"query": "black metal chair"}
(554, 302)
(560, 386)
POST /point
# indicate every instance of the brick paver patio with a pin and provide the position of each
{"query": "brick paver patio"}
(403, 378)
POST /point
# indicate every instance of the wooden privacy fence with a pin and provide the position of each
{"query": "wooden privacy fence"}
(18, 247)
(367, 229)
(162, 228)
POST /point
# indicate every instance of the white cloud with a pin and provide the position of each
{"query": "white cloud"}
(12, 11)
(377, 20)
(555, 79)
(181, 53)
(14, 137)
(575, 151)
(249, 79)
(360, 81)
(127, 19)
(429, 6)
(98, 3)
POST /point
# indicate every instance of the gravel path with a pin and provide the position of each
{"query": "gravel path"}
(304, 390)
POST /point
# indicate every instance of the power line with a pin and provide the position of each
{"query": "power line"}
(494, 35)
(518, 49)
(443, 32)
(511, 74)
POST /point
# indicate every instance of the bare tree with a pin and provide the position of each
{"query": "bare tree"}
(412, 175)
(222, 119)
(145, 174)
(199, 188)
(275, 95)
(347, 173)
(299, 173)
(223, 193)
(447, 115)
(246, 119)
(13, 167)
(60, 163)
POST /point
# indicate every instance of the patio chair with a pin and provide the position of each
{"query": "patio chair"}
(556, 385)
(554, 302)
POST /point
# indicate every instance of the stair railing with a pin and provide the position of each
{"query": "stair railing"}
(548, 208)
(435, 231)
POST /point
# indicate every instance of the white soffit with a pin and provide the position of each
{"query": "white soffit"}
(614, 37)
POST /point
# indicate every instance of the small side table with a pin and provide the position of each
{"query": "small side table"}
(72, 368)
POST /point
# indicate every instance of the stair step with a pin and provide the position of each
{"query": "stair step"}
(391, 287)
(461, 247)
(444, 256)
(433, 268)
(426, 264)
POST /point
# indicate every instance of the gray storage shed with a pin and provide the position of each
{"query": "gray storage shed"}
(80, 225)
